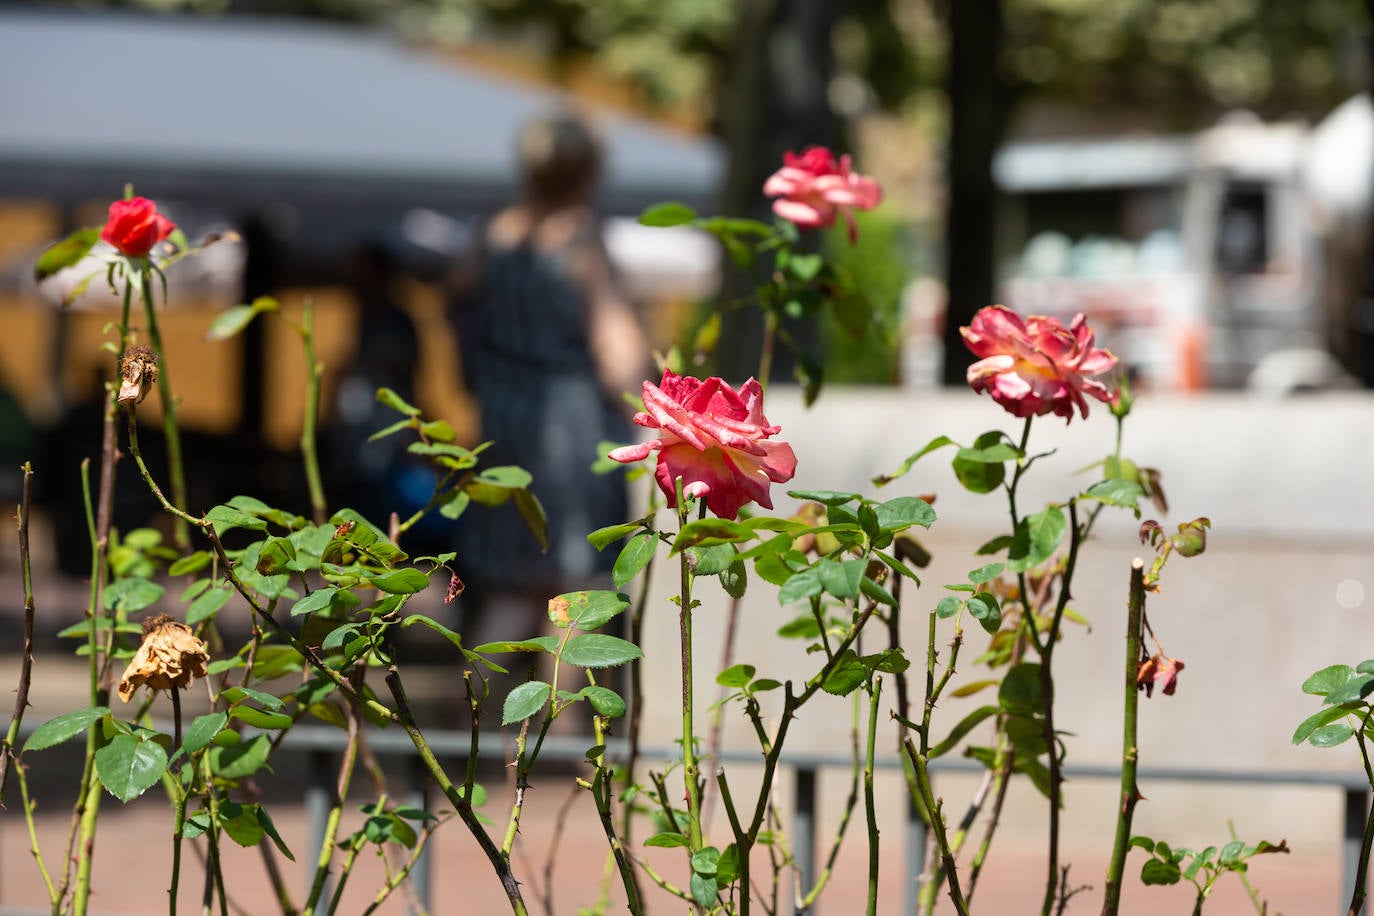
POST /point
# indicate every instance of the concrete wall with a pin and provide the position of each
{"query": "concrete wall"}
(1286, 587)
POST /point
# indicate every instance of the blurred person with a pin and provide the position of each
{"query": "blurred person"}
(548, 347)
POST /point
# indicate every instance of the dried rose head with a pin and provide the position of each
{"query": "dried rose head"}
(1158, 670)
(171, 656)
(137, 374)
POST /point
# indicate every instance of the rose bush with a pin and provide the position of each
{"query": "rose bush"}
(715, 438)
(814, 188)
(134, 227)
(1036, 366)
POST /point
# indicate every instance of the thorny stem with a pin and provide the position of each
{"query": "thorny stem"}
(870, 808)
(21, 693)
(851, 801)
(920, 765)
(460, 800)
(1130, 752)
(1047, 691)
(179, 800)
(309, 454)
(331, 826)
(170, 430)
(689, 754)
(1357, 897)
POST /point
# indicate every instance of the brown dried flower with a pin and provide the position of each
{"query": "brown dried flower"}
(1159, 669)
(171, 656)
(137, 374)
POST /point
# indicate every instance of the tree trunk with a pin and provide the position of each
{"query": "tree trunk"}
(774, 98)
(978, 110)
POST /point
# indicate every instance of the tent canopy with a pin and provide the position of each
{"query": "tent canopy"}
(254, 111)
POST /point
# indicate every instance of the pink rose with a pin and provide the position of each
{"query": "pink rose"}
(1036, 366)
(715, 439)
(135, 226)
(812, 189)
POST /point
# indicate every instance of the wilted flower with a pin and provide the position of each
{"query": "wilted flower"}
(813, 188)
(715, 439)
(1158, 669)
(1036, 366)
(137, 374)
(135, 226)
(171, 656)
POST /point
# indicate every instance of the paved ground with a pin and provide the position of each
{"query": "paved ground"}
(133, 865)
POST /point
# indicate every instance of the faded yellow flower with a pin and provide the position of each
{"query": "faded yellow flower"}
(171, 656)
(137, 374)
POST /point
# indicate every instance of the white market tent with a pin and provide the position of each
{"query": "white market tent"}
(257, 111)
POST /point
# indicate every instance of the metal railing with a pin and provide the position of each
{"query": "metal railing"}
(321, 743)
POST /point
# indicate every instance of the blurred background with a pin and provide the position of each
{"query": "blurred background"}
(1195, 177)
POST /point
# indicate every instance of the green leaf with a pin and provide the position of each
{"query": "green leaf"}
(1037, 537)
(1331, 735)
(1231, 852)
(259, 718)
(598, 650)
(846, 675)
(1328, 679)
(401, 581)
(903, 512)
(202, 731)
(507, 476)
(983, 606)
(736, 676)
(317, 600)
(1317, 720)
(208, 604)
(666, 840)
(735, 579)
(532, 513)
(129, 596)
(704, 889)
(876, 592)
(634, 556)
(937, 443)
(708, 532)
(524, 701)
(948, 606)
(1021, 691)
(1117, 492)
(397, 403)
(772, 569)
(230, 322)
(602, 537)
(534, 644)
(226, 518)
(64, 727)
(65, 253)
(586, 610)
(191, 563)
(605, 701)
(966, 725)
(727, 866)
(704, 860)
(805, 584)
(825, 497)
(1357, 688)
(129, 766)
(986, 573)
(241, 760)
(1155, 871)
(240, 822)
(841, 579)
(996, 453)
(978, 475)
(668, 213)
(709, 561)
(276, 556)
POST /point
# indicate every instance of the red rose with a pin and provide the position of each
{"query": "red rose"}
(813, 188)
(1036, 366)
(135, 226)
(715, 439)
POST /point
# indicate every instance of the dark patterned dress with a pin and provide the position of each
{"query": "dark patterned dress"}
(527, 358)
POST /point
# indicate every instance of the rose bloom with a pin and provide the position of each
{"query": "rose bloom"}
(1036, 366)
(715, 438)
(813, 188)
(135, 226)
